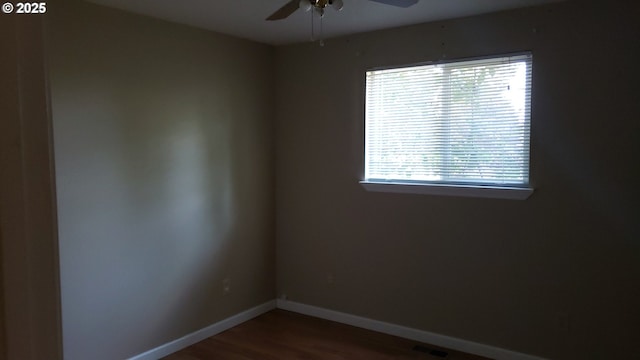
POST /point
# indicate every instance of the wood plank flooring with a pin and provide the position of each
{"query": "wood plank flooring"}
(282, 335)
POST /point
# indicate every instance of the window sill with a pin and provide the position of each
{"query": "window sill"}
(492, 192)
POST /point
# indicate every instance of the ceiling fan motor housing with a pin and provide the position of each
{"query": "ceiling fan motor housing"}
(319, 5)
(306, 5)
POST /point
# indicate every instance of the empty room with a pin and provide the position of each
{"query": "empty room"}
(213, 179)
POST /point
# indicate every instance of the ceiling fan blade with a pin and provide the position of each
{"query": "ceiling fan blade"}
(284, 12)
(398, 3)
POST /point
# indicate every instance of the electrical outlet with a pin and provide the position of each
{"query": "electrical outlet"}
(226, 286)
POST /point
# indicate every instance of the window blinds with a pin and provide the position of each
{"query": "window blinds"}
(465, 122)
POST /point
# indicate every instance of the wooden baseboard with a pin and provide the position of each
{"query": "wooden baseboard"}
(197, 336)
(344, 318)
(405, 332)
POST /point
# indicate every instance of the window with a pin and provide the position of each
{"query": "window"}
(455, 128)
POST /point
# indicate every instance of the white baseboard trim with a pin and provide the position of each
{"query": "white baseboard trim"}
(199, 335)
(405, 332)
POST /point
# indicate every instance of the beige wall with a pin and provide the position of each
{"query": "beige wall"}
(504, 273)
(163, 150)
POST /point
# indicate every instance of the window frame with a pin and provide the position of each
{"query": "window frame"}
(495, 191)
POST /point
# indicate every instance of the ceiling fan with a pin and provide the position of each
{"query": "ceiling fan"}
(293, 5)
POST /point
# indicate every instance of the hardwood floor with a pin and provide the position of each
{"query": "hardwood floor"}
(280, 334)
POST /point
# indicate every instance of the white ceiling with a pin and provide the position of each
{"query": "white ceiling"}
(246, 18)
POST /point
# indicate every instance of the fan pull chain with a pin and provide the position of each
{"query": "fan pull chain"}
(319, 36)
(321, 42)
(312, 30)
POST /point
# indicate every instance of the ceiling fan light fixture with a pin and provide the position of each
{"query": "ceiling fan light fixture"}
(305, 5)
